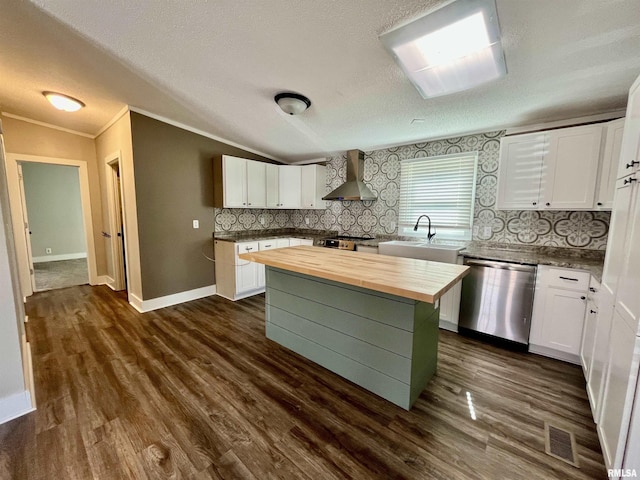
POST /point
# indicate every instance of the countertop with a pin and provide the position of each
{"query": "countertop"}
(404, 277)
(255, 235)
(582, 259)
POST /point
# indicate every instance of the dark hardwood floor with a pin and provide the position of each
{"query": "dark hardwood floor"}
(197, 391)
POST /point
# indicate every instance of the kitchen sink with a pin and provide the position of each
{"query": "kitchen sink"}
(421, 250)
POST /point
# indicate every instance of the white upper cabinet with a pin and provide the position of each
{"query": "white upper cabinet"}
(273, 190)
(552, 170)
(570, 168)
(609, 165)
(234, 171)
(630, 150)
(314, 179)
(290, 184)
(521, 160)
(256, 184)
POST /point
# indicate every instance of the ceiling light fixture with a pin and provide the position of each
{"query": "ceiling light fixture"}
(292, 103)
(63, 102)
(455, 48)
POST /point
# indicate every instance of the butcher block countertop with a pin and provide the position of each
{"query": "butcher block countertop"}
(405, 277)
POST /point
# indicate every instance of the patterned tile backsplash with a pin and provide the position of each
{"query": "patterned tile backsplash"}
(382, 174)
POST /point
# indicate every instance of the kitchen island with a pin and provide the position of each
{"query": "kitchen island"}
(373, 319)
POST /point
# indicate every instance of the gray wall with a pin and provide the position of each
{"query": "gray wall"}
(174, 186)
(54, 207)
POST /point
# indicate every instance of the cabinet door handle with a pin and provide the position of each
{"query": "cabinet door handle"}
(630, 180)
(267, 246)
(592, 311)
(535, 203)
(583, 298)
(548, 204)
(569, 278)
(249, 203)
(633, 162)
(591, 289)
(599, 204)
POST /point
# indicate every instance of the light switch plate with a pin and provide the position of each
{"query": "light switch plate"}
(196, 224)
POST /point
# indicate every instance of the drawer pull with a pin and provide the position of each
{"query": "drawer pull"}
(592, 311)
(569, 278)
(267, 246)
(248, 249)
(591, 289)
(583, 298)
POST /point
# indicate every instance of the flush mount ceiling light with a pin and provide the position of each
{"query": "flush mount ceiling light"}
(63, 102)
(292, 103)
(455, 48)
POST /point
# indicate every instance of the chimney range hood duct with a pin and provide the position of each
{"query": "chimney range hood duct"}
(354, 188)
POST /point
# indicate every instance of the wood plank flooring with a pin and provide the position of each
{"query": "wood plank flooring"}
(197, 391)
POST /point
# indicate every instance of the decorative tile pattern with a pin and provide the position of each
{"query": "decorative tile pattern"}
(382, 175)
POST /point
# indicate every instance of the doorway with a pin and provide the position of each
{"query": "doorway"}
(115, 239)
(52, 209)
(20, 217)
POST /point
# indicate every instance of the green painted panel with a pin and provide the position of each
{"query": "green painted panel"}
(392, 310)
(374, 381)
(376, 333)
(377, 358)
(425, 349)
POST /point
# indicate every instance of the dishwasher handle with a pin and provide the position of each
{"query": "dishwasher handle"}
(518, 267)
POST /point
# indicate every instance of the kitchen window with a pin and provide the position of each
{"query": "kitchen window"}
(441, 187)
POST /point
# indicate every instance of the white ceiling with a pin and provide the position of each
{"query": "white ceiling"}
(216, 66)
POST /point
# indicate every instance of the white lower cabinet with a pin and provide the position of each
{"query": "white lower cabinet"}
(619, 392)
(366, 249)
(559, 313)
(237, 278)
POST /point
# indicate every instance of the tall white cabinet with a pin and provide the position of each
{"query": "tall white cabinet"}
(619, 405)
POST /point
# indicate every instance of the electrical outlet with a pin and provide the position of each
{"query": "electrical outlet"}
(47, 251)
(487, 232)
(392, 225)
(262, 220)
(196, 224)
(306, 220)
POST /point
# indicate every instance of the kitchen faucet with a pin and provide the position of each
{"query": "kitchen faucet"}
(429, 234)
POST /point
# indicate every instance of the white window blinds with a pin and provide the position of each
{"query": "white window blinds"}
(442, 187)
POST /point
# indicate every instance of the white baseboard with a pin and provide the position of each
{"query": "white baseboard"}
(445, 325)
(558, 355)
(106, 280)
(144, 306)
(55, 258)
(15, 406)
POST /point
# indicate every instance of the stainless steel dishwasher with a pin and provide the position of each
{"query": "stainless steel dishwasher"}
(497, 300)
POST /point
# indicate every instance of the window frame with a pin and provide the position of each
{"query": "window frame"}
(447, 233)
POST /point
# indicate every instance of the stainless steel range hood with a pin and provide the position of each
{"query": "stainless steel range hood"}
(354, 188)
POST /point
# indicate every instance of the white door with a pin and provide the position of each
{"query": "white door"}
(234, 173)
(273, 195)
(629, 152)
(588, 338)
(521, 160)
(27, 228)
(290, 186)
(256, 184)
(571, 168)
(247, 273)
(563, 320)
(622, 374)
(116, 224)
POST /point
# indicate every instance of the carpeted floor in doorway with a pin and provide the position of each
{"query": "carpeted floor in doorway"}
(61, 274)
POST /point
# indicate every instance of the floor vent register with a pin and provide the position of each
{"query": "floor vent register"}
(561, 444)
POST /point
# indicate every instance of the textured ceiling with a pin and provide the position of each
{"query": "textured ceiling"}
(216, 65)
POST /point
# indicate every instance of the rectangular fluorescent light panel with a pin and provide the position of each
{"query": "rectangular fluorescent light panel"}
(455, 48)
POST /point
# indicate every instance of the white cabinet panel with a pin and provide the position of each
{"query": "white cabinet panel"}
(596, 380)
(628, 298)
(619, 391)
(282, 242)
(564, 318)
(314, 179)
(571, 167)
(629, 152)
(256, 184)
(588, 338)
(609, 165)
(521, 162)
(290, 178)
(247, 273)
(234, 172)
(616, 241)
(272, 185)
